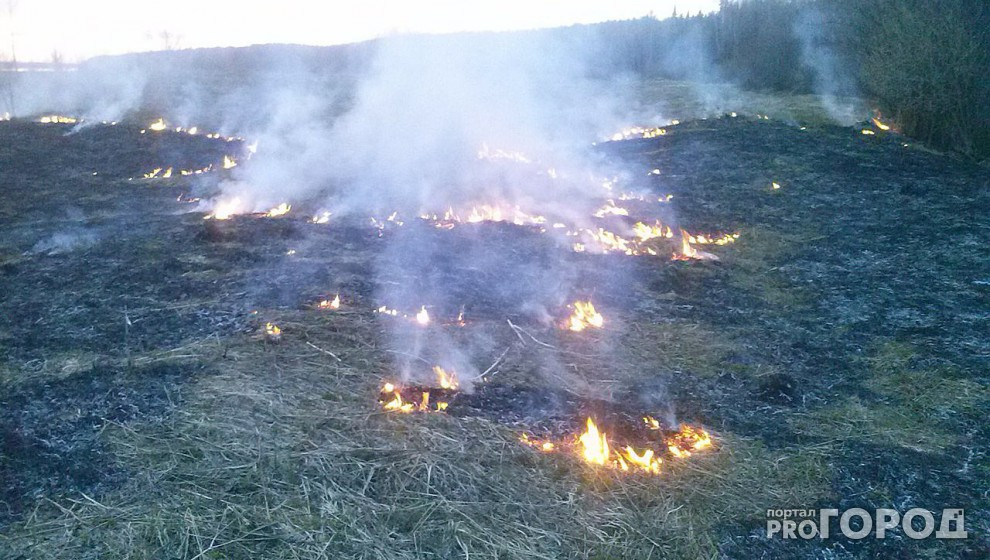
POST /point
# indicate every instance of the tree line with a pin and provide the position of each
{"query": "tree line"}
(924, 63)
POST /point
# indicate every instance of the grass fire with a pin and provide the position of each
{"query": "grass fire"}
(611, 290)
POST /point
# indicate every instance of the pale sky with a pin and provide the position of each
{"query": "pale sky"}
(83, 28)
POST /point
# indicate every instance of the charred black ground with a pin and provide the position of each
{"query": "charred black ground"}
(845, 334)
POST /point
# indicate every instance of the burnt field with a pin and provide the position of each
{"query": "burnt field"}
(836, 352)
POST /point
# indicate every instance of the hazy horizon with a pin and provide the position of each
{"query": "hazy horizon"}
(40, 30)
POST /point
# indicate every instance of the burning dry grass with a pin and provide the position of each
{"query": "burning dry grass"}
(282, 454)
(279, 450)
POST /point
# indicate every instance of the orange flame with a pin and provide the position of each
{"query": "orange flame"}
(542, 445)
(595, 450)
(880, 124)
(445, 379)
(594, 445)
(272, 331)
(689, 440)
(688, 252)
(584, 316)
(644, 232)
(392, 401)
(645, 460)
(396, 404)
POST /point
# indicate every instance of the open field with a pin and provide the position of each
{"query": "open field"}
(837, 352)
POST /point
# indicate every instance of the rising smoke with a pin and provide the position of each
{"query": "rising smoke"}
(418, 125)
(832, 80)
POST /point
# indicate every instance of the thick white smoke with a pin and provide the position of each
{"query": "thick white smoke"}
(413, 127)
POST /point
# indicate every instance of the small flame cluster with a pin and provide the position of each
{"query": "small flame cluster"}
(168, 172)
(159, 125)
(421, 317)
(420, 399)
(592, 446)
(272, 332)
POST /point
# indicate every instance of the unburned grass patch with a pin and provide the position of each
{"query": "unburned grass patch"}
(938, 392)
(283, 453)
(678, 347)
(851, 418)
